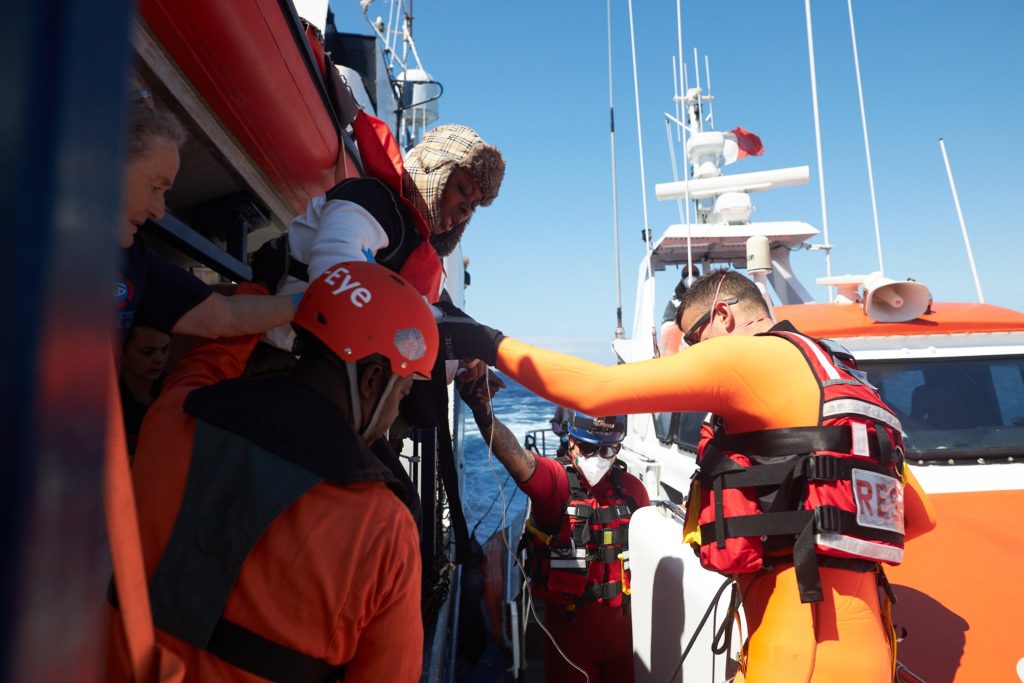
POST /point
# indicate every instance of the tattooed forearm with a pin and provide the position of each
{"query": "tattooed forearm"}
(517, 460)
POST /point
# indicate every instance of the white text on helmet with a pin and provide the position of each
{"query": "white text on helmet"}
(360, 295)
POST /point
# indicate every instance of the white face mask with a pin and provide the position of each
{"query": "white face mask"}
(593, 468)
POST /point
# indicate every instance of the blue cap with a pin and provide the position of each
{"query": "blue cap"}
(596, 430)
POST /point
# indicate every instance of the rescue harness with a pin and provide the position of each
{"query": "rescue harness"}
(585, 559)
(829, 495)
(244, 472)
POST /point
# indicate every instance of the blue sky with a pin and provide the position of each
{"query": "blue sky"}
(532, 78)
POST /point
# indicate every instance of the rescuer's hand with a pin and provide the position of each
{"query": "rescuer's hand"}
(463, 337)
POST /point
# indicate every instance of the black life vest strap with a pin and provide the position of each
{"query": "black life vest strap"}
(253, 653)
(241, 647)
(795, 440)
(605, 591)
(617, 469)
(812, 468)
(298, 270)
(826, 518)
(607, 554)
(611, 513)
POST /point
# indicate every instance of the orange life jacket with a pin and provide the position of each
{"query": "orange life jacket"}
(830, 494)
(586, 558)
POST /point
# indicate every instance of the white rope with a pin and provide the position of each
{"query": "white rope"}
(504, 528)
(817, 140)
(867, 146)
(963, 225)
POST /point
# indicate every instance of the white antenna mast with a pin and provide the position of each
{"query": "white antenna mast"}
(620, 333)
(696, 71)
(867, 146)
(960, 216)
(676, 99)
(817, 139)
(686, 161)
(711, 100)
(681, 76)
(640, 138)
(643, 179)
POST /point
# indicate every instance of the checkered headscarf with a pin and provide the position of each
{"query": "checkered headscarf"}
(429, 164)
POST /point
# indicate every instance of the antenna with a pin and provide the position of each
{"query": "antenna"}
(867, 146)
(696, 68)
(817, 139)
(686, 160)
(711, 100)
(681, 76)
(620, 333)
(643, 179)
(960, 216)
(676, 99)
(639, 136)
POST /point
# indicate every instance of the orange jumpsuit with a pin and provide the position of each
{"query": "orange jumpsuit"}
(752, 383)
(335, 576)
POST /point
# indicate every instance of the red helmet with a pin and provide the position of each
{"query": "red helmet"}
(358, 309)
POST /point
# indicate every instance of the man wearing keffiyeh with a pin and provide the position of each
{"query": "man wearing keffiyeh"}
(447, 176)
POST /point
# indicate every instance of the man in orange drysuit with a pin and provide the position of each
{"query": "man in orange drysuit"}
(752, 381)
(577, 539)
(279, 531)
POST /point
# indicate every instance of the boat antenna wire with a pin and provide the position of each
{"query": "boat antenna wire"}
(686, 160)
(817, 141)
(963, 225)
(620, 332)
(640, 140)
(508, 546)
(711, 99)
(867, 146)
(676, 98)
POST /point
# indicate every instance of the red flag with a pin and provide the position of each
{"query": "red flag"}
(750, 145)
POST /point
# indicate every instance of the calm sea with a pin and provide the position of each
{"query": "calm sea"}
(521, 411)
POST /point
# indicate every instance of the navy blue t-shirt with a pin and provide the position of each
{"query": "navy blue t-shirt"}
(153, 291)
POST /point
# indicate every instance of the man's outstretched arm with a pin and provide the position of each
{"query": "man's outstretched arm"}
(519, 462)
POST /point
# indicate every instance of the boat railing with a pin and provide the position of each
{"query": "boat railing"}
(542, 442)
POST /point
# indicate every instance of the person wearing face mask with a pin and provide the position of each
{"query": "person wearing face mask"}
(576, 538)
(278, 529)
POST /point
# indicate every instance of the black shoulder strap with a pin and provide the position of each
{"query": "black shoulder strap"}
(576, 490)
(617, 469)
(250, 652)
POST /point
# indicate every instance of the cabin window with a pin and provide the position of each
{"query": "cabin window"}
(955, 408)
(681, 429)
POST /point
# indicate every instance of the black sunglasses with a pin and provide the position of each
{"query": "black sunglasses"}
(590, 449)
(692, 335)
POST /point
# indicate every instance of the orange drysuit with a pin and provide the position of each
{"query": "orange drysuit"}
(336, 576)
(752, 383)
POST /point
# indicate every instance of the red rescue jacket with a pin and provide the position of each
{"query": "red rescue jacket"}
(580, 560)
(828, 495)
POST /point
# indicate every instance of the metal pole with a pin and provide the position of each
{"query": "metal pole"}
(817, 139)
(960, 217)
(867, 146)
(640, 139)
(620, 333)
